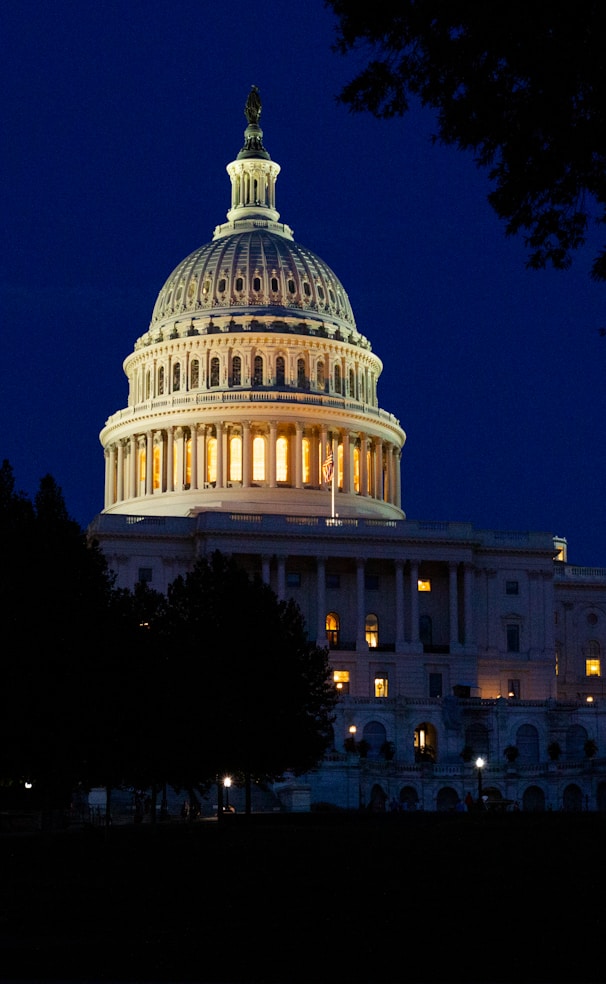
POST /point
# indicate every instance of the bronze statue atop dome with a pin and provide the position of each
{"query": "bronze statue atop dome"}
(252, 110)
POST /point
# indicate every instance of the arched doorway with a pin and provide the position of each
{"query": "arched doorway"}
(378, 798)
(573, 798)
(447, 799)
(409, 798)
(533, 800)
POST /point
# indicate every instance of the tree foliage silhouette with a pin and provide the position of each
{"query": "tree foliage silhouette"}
(522, 86)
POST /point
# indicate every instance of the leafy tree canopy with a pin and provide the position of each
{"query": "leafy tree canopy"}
(245, 690)
(521, 85)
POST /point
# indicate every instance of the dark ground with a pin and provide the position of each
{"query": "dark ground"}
(310, 898)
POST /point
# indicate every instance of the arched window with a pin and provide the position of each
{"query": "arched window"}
(332, 630)
(157, 460)
(187, 462)
(194, 375)
(211, 460)
(576, 736)
(258, 455)
(282, 459)
(301, 373)
(274, 284)
(239, 284)
(425, 743)
(258, 371)
(235, 458)
(337, 379)
(356, 469)
(375, 734)
(147, 385)
(256, 284)
(476, 738)
(592, 658)
(236, 371)
(372, 631)
(352, 384)
(176, 377)
(280, 371)
(306, 462)
(160, 380)
(527, 740)
(214, 371)
(320, 375)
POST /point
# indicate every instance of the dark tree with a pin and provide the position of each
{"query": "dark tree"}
(246, 691)
(54, 596)
(520, 85)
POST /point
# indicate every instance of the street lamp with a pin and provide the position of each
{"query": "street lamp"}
(226, 785)
(480, 763)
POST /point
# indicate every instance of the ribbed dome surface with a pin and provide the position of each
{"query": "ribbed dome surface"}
(256, 269)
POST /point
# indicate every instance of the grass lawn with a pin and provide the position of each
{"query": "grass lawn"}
(310, 898)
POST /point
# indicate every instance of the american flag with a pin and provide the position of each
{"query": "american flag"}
(328, 466)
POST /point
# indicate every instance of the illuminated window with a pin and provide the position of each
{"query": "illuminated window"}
(306, 462)
(280, 371)
(340, 466)
(513, 638)
(258, 450)
(592, 667)
(513, 689)
(235, 459)
(424, 584)
(236, 371)
(381, 685)
(188, 461)
(332, 630)
(282, 459)
(356, 469)
(211, 460)
(424, 744)
(156, 469)
(142, 466)
(341, 681)
(372, 631)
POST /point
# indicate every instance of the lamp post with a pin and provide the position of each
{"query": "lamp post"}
(226, 785)
(480, 763)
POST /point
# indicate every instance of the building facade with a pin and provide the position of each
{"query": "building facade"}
(253, 426)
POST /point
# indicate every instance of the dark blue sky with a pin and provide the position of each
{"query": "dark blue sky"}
(118, 119)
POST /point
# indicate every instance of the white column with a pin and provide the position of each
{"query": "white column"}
(149, 463)
(468, 629)
(453, 606)
(220, 456)
(320, 602)
(361, 644)
(194, 456)
(120, 476)
(399, 604)
(273, 433)
(133, 490)
(170, 451)
(414, 601)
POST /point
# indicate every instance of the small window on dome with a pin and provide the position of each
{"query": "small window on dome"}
(332, 296)
(307, 289)
(222, 285)
(320, 292)
(206, 287)
(256, 283)
(291, 287)
(239, 283)
(274, 284)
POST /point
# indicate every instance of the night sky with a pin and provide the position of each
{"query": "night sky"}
(118, 121)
